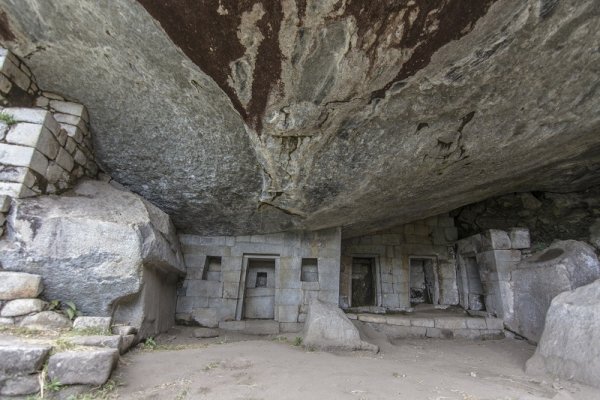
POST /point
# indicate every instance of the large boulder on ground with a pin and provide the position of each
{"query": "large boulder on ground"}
(564, 266)
(104, 248)
(18, 285)
(328, 328)
(570, 345)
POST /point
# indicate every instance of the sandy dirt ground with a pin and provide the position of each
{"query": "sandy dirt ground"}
(273, 368)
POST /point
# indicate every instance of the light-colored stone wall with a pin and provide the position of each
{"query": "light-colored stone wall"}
(392, 249)
(209, 302)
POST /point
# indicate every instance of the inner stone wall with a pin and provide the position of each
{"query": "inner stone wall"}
(211, 299)
(392, 250)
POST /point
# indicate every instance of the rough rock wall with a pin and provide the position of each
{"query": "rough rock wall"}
(548, 216)
(247, 117)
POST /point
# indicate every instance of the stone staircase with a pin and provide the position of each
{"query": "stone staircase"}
(83, 353)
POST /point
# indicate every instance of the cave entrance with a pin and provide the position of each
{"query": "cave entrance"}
(363, 282)
(259, 289)
(422, 280)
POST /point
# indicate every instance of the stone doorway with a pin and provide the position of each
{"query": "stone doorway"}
(363, 282)
(422, 281)
(259, 289)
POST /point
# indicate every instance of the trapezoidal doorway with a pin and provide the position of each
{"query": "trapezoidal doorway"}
(259, 293)
(422, 281)
(363, 282)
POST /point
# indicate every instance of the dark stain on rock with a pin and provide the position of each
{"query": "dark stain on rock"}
(465, 120)
(207, 34)
(5, 31)
(301, 5)
(427, 25)
(547, 7)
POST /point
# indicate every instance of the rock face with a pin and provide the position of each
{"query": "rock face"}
(569, 345)
(269, 115)
(549, 216)
(564, 266)
(103, 248)
(328, 328)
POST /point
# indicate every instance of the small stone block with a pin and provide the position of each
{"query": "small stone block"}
(476, 323)
(98, 323)
(423, 322)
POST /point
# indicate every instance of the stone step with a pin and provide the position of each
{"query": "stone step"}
(86, 367)
(450, 326)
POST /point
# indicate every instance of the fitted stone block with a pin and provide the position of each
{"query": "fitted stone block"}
(287, 313)
(204, 288)
(476, 323)
(495, 239)
(519, 238)
(450, 323)
(424, 322)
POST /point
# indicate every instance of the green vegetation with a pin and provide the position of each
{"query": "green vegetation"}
(7, 119)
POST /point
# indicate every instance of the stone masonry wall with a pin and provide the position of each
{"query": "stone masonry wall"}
(497, 254)
(210, 299)
(45, 140)
(392, 249)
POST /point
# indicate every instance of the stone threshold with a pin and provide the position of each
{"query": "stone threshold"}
(261, 327)
(441, 327)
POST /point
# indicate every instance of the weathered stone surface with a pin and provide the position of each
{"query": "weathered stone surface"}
(105, 249)
(548, 216)
(20, 385)
(111, 341)
(564, 266)
(205, 333)
(569, 347)
(46, 320)
(453, 96)
(595, 234)
(124, 330)
(99, 323)
(19, 285)
(327, 327)
(88, 367)
(20, 307)
(21, 358)
(519, 238)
